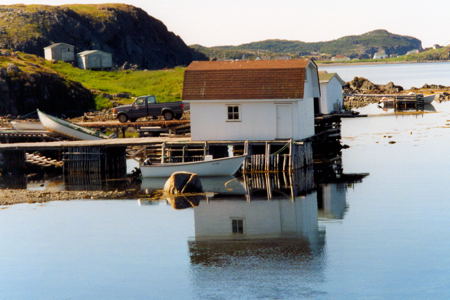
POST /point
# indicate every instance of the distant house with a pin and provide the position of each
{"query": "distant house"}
(94, 59)
(340, 58)
(414, 51)
(251, 100)
(60, 51)
(380, 55)
(331, 98)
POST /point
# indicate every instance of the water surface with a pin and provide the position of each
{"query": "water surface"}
(407, 75)
(386, 237)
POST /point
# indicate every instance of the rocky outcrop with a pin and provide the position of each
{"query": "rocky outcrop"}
(132, 36)
(361, 85)
(22, 91)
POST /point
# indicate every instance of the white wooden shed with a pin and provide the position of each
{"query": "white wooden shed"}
(251, 100)
(331, 99)
(60, 51)
(94, 59)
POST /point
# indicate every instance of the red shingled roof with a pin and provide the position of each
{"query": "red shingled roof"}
(259, 79)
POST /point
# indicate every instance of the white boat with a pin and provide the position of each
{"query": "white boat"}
(227, 166)
(27, 126)
(65, 128)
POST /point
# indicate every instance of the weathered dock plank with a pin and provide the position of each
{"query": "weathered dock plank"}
(120, 142)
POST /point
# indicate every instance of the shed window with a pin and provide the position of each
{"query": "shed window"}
(237, 226)
(233, 113)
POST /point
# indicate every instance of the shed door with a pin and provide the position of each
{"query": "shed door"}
(284, 121)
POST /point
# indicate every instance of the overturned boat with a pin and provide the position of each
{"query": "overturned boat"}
(54, 124)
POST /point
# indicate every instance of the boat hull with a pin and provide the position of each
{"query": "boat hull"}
(217, 167)
(24, 125)
(64, 128)
(428, 99)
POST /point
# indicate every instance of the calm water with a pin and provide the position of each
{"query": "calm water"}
(406, 75)
(387, 237)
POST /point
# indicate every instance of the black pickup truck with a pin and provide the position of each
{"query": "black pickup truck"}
(147, 106)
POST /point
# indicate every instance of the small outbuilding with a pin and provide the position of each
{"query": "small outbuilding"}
(331, 97)
(60, 51)
(251, 100)
(94, 59)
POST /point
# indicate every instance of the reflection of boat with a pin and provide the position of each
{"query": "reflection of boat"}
(215, 167)
(224, 185)
(65, 128)
(27, 125)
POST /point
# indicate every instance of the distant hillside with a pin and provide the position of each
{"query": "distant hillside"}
(129, 33)
(355, 46)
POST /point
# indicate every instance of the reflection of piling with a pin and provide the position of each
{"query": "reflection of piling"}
(92, 167)
(12, 168)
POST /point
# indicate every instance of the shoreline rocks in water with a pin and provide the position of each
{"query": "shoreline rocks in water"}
(12, 196)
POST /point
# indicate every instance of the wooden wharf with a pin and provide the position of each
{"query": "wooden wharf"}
(97, 161)
(169, 127)
(399, 101)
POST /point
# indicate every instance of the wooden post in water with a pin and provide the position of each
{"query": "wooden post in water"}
(290, 155)
(163, 152)
(267, 157)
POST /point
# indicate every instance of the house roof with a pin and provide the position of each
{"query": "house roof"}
(325, 77)
(258, 79)
(57, 45)
(87, 52)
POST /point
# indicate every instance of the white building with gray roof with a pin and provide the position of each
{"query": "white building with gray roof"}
(94, 59)
(60, 51)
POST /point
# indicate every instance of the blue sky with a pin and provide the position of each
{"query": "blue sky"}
(234, 22)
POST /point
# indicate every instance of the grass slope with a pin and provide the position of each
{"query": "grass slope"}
(166, 85)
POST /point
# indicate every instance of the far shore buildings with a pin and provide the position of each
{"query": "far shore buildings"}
(380, 55)
(340, 58)
(94, 59)
(331, 97)
(251, 100)
(60, 51)
(89, 59)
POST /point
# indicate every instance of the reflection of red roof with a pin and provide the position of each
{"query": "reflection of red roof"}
(258, 79)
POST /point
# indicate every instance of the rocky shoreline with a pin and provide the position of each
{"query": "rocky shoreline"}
(12, 196)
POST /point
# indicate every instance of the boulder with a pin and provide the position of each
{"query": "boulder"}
(183, 183)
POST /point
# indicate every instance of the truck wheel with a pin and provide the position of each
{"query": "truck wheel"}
(168, 115)
(122, 118)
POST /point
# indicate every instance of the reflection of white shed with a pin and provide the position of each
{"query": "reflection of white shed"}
(251, 100)
(60, 51)
(332, 200)
(94, 59)
(331, 99)
(225, 219)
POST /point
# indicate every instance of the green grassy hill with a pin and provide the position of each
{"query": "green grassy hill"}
(166, 85)
(355, 46)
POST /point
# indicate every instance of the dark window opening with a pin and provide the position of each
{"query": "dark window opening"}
(237, 226)
(233, 113)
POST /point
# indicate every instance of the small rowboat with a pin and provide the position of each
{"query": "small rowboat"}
(68, 129)
(227, 166)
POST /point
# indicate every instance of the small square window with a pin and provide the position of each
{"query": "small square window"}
(233, 113)
(237, 226)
